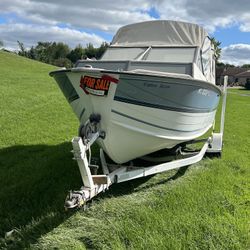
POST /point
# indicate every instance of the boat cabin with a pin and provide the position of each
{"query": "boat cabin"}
(160, 46)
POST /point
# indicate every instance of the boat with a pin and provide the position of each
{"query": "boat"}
(153, 89)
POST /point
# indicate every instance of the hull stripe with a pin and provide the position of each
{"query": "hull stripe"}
(158, 106)
(83, 110)
(151, 124)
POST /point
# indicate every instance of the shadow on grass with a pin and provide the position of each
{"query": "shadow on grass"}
(34, 181)
(128, 187)
(245, 91)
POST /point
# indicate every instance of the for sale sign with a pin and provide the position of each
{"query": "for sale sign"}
(97, 85)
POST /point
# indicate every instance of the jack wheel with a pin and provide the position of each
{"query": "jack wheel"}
(84, 131)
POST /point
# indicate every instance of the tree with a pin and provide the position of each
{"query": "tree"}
(59, 54)
(76, 54)
(62, 62)
(59, 50)
(48, 52)
(31, 53)
(42, 52)
(90, 51)
(22, 51)
(1, 43)
(220, 65)
(217, 48)
(247, 85)
(245, 66)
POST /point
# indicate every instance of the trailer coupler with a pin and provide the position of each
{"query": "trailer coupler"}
(76, 199)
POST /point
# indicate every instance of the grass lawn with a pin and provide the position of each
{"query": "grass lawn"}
(205, 206)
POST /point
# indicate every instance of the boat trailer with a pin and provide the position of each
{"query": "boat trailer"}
(94, 183)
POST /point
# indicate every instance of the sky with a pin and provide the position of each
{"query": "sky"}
(94, 21)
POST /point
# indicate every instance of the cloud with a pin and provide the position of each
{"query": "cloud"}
(110, 15)
(211, 14)
(31, 34)
(42, 20)
(236, 54)
(245, 25)
(107, 15)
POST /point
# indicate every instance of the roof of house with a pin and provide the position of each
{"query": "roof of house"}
(244, 74)
(233, 71)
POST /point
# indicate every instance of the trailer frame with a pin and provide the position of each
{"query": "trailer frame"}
(93, 184)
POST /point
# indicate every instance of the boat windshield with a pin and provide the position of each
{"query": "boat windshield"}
(185, 55)
(123, 53)
(157, 54)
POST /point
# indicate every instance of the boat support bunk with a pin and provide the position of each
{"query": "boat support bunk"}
(94, 184)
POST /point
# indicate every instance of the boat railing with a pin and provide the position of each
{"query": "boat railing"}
(129, 65)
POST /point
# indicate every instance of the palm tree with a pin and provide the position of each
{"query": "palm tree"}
(217, 48)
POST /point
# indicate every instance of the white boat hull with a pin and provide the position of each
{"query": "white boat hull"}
(133, 130)
(130, 136)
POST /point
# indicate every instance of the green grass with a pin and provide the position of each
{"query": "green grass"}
(205, 206)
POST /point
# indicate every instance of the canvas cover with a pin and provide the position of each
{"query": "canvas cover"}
(168, 33)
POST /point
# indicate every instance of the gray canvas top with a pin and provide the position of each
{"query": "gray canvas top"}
(168, 33)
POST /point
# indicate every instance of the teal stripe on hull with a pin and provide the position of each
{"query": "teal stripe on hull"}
(167, 94)
(151, 124)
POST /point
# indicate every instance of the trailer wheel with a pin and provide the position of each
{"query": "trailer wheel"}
(84, 131)
(81, 131)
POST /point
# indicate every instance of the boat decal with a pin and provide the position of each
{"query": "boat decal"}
(164, 107)
(151, 124)
(98, 86)
(110, 78)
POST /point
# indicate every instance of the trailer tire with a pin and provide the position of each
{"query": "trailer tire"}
(81, 131)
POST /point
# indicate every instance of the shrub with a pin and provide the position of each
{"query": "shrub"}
(247, 85)
(63, 62)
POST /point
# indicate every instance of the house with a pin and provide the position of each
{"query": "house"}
(231, 72)
(243, 77)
